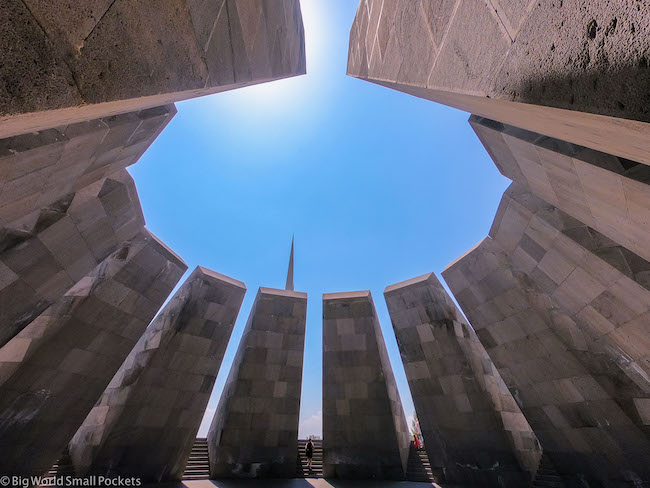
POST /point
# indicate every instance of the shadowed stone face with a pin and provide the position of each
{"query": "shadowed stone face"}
(254, 433)
(474, 432)
(564, 328)
(107, 57)
(365, 434)
(67, 240)
(145, 423)
(53, 371)
(38, 169)
(547, 66)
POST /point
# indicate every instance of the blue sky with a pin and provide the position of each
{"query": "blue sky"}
(377, 186)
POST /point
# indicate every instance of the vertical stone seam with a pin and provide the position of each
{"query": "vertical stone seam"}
(57, 51)
(443, 41)
(374, 38)
(504, 21)
(232, 49)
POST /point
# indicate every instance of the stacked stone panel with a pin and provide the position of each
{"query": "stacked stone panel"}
(607, 193)
(55, 369)
(254, 433)
(66, 65)
(567, 331)
(365, 434)
(38, 169)
(146, 421)
(474, 432)
(67, 240)
(570, 70)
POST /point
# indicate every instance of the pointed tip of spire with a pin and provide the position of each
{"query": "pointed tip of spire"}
(289, 285)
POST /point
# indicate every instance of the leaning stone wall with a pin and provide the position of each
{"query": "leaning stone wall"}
(365, 434)
(580, 401)
(38, 169)
(254, 433)
(55, 369)
(602, 191)
(470, 421)
(67, 240)
(573, 70)
(145, 423)
(66, 65)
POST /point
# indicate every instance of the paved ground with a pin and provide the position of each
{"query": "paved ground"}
(300, 483)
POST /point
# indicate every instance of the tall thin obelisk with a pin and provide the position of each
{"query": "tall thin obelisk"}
(289, 285)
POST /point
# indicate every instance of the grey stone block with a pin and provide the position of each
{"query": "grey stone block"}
(364, 428)
(254, 433)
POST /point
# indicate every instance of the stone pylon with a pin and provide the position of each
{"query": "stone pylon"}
(55, 369)
(254, 433)
(64, 242)
(67, 65)
(145, 423)
(535, 65)
(41, 168)
(365, 434)
(565, 328)
(474, 432)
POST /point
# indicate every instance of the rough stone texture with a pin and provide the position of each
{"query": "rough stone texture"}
(55, 369)
(64, 243)
(567, 332)
(60, 65)
(365, 434)
(576, 70)
(254, 433)
(37, 169)
(606, 193)
(146, 421)
(474, 432)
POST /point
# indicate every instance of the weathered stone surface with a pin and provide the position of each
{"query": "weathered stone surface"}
(102, 58)
(55, 369)
(474, 431)
(606, 193)
(145, 423)
(574, 70)
(365, 434)
(37, 169)
(544, 307)
(254, 433)
(62, 244)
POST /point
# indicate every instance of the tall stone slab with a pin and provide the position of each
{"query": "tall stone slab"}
(607, 193)
(62, 244)
(583, 393)
(40, 168)
(576, 71)
(62, 65)
(145, 423)
(474, 432)
(365, 434)
(254, 433)
(594, 285)
(55, 369)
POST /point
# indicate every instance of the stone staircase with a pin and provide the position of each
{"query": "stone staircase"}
(419, 467)
(317, 460)
(198, 465)
(63, 467)
(547, 476)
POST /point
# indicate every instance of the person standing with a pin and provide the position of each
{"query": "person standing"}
(309, 451)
